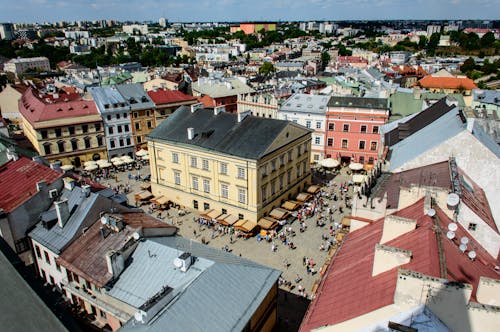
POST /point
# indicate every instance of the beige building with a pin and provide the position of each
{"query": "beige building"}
(20, 65)
(259, 104)
(233, 163)
(69, 131)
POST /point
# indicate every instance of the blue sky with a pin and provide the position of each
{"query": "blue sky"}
(244, 10)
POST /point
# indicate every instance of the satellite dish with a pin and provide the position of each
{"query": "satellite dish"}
(462, 247)
(450, 235)
(178, 263)
(452, 227)
(136, 236)
(453, 200)
(472, 254)
(464, 240)
(431, 212)
(104, 220)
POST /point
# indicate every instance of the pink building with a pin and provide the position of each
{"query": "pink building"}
(352, 128)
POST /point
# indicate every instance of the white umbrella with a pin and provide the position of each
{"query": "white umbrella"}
(105, 164)
(142, 153)
(118, 162)
(90, 162)
(115, 159)
(67, 167)
(329, 163)
(146, 157)
(356, 166)
(89, 168)
(126, 159)
(101, 161)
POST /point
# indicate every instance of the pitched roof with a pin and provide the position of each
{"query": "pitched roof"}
(306, 103)
(359, 102)
(224, 88)
(164, 96)
(349, 290)
(135, 95)
(251, 138)
(447, 82)
(18, 181)
(37, 110)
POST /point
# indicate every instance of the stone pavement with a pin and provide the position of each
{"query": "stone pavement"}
(307, 243)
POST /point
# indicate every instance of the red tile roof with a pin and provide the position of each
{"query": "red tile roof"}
(18, 181)
(163, 96)
(447, 82)
(36, 110)
(348, 288)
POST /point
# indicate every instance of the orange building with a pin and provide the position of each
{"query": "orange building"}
(253, 27)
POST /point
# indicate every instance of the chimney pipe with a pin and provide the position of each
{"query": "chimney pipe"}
(190, 133)
(86, 190)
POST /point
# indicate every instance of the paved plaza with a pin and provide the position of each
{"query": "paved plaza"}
(289, 261)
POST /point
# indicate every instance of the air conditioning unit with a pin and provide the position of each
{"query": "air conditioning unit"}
(53, 193)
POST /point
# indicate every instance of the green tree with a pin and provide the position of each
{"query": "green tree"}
(468, 65)
(422, 42)
(267, 68)
(488, 39)
(325, 59)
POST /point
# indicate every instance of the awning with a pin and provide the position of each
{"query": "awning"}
(246, 226)
(267, 223)
(290, 205)
(313, 189)
(303, 197)
(67, 167)
(145, 186)
(229, 220)
(222, 216)
(279, 213)
(210, 214)
(161, 200)
(143, 195)
(90, 168)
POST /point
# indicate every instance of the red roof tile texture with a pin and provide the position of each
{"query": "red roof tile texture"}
(348, 289)
(447, 82)
(18, 181)
(163, 96)
(34, 109)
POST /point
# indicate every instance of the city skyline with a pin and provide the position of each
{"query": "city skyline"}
(27, 11)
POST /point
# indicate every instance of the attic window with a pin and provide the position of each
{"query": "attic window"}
(144, 99)
(85, 106)
(59, 109)
(32, 110)
(70, 108)
(106, 105)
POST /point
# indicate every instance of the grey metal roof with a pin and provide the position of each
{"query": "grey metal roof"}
(223, 297)
(359, 102)
(135, 95)
(487, 96)
(480, 134)
(445, 127)
(250, 138)
(108, 96)
(305, 103)
(84, 212)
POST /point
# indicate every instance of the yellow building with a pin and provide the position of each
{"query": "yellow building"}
(232, 163)
(70, 131)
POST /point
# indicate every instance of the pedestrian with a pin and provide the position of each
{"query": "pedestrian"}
(304, 260)
(194, 232)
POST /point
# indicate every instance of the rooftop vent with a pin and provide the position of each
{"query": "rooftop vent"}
(184, 261)
(190, 133)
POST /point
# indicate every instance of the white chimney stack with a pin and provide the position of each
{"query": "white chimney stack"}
(62, 211)
(190, 133)
(86, 190)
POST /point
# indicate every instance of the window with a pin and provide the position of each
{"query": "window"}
(194, 162)
(195, 204)
(273, 165)
(206, 185)
(74, 144)
(108, 117)
(306, 147)
(331, 126)
(147, 113)
(37, 251)
(112, 143)
(103, 314)
(263, 170)
(308, 124)
(60, 146)
(110, 130)
(318, 124)
(44, 134)
(195, 182)
(47, 257)
(242, 195)
(175, 158)
(58, 132)
(117, 116)
(125, 115)
(375, 130)
(345, 128)
(297, 170)
(135, 114)
(139, 139)
(86, 140)
(330, 142)
(289, 155)
(85, 128)
(223, 168)
(264, 193)
(241, 216)
(362, 145)
(177, 178)
(120, 142)
(344, 144)
(137, 126)
(150, 124)
(71, 130)
(206, 206)
(126, 128)
(472, 226)
(316, 157)
(97, 126)
(282, 160)
(289, 176)
(361, 160)
(282, 181)
(204, 164)
(373, 146)
(317, 140)
(299, 150)
(119, 129)
(370, 160)
(241, 173)
(224, 190)
(273, 187)
(224, 211)
(128, 141)
(363, 128)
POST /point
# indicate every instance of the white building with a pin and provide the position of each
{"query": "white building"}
(134, 29)
(433, 29)
(162, 22)
(20, 65)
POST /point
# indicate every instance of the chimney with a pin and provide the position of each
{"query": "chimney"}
(219, 109)
(184, 261)
(41, 185)
(243, 115)
(194, 107)
(69, 183)
(190, 133)
(62, 211)
(395, 226)
(114, 263)
(37, 159)
(11, 154)
(387, 258)
(470, 125)
(86, 190)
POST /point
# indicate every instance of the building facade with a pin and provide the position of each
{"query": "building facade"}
(352, 128)
(236, 164)
(167, 101)
(259, 104)
(68, 131)
(20, 65)
(6, 31)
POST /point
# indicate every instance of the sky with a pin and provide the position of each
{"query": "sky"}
(28, 11)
